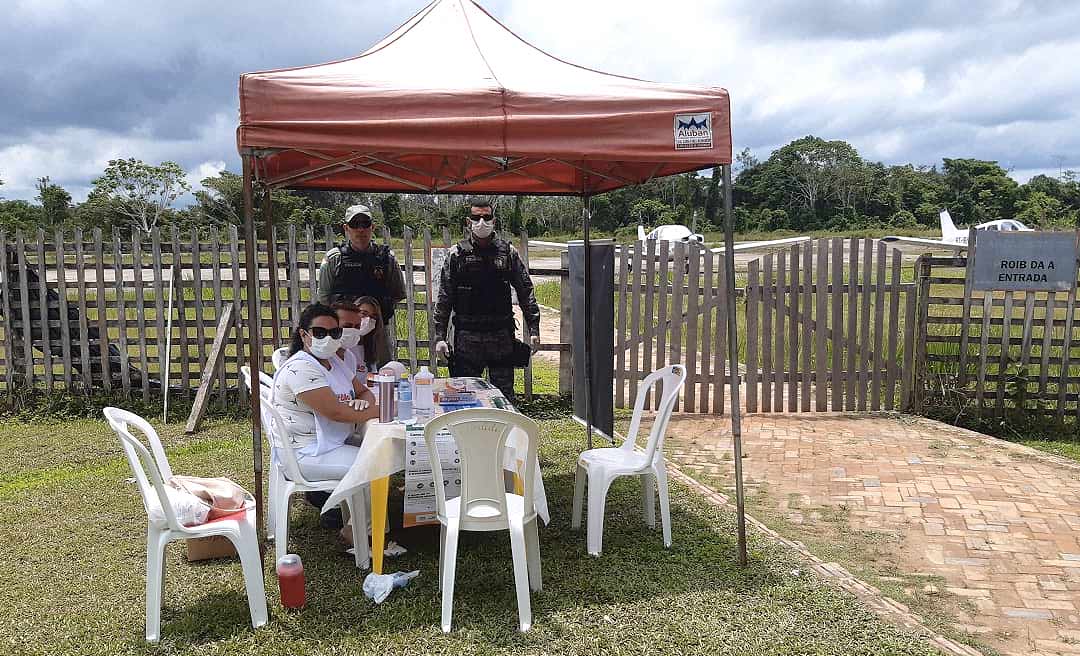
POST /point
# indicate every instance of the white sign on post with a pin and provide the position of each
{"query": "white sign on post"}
(1024, 261)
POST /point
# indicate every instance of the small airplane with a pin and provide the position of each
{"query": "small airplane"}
(670, 233)
(957, 238)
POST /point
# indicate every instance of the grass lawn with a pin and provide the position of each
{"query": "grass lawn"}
(73, 572)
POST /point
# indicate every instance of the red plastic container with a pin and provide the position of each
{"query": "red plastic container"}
(290, 572)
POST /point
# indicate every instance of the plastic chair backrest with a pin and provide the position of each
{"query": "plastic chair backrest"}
(673, 377)
(273, 426)
(480, 435)
(265, 379)
(279, 356)
(151, 471)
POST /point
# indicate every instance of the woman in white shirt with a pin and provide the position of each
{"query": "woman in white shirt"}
(319, 398)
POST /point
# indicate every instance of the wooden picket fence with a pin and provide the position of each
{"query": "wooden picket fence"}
(830, 325)
(670, 309)
(989, 353)
(84, 312)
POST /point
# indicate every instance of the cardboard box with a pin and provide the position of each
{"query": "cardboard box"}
(215, 546)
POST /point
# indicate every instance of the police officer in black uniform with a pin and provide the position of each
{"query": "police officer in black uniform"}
(360, 267)
(475, 283)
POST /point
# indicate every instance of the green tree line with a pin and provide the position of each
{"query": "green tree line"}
(809, 184)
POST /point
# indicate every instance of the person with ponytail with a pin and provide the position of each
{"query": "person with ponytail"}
(363, 335)
(319, 397)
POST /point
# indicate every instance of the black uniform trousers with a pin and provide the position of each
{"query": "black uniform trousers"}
(475, 351)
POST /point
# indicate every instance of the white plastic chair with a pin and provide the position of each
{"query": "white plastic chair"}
(279, 356)
(286, 480)
(602, 466)
(484, 504)
(151, 469)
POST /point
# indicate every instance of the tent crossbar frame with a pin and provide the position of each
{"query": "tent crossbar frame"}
(514, 168)
(314, 170)
(366, 169)
(591, 171)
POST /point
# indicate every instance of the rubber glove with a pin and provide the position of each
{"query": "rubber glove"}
(442, 348)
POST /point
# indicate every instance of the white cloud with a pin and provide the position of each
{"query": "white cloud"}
(89, 80)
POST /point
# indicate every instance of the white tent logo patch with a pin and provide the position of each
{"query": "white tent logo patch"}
(693, 131)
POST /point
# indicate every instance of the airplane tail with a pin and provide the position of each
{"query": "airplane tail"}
(949, 231)
(641, 233)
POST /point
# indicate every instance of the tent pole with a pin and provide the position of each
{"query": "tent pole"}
(251, 270)
(733, 358)
(587, 217)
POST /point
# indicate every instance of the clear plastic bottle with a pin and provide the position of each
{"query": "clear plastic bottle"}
(424, 396)
(405, 399)
(290, 572)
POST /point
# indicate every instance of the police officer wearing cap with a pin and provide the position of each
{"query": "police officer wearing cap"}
(474, 284)
(360, 267)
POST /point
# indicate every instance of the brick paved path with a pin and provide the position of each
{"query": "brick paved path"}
(999, 523)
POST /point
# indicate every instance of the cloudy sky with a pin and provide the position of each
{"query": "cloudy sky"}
(85, 81)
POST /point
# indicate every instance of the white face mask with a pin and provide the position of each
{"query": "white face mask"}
(482, 229)
(350, 337)
(367, 324)
(325, 347)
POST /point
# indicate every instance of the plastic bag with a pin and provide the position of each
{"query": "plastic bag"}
(190, 510)
(223, 496)
(377, 587)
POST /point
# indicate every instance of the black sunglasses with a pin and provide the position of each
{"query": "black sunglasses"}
(481, 217)
(318, 332)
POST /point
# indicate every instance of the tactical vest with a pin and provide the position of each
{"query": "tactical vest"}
(364, 274)
(481, 280)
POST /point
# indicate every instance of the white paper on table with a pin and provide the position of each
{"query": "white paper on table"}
(420, 502)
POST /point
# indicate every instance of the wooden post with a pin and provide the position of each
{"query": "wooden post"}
(633, 269)
(80, 271)
(10, 336)
(159, 306)
(965, 323)
(894, 329)
(753, 296)
(410, 298)
(65, 324)
(43, 308)
(271, 260)
(102, 313)
(140, 310)
(429, 308)
(922, 267)
(209, 368)
(821, 321)
(792, 308)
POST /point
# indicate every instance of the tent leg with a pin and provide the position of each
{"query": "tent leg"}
(587, 217)
(251, 270)
(733, 358)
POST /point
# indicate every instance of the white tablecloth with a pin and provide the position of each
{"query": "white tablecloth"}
(382, 453)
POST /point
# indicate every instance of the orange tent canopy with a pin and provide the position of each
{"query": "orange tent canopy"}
(454, 102)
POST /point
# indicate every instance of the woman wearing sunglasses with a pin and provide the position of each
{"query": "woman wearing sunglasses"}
(320, 398)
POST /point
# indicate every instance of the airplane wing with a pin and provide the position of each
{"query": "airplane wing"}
(772, 243)
(932, 243)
